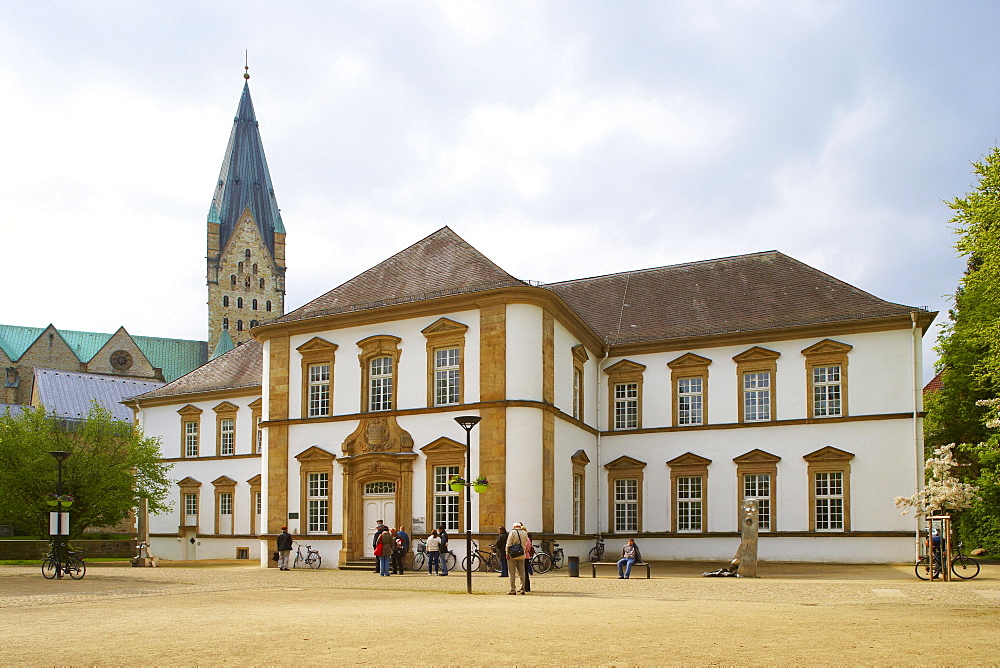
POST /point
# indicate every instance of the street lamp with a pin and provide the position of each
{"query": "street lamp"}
(467, 422)
(60, 456)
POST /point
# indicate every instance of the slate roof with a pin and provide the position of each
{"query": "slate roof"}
(13, 409)
(243, 366)
(244, 180)
(69, 394)
(744, 293)
(175, 356)
(440, 264)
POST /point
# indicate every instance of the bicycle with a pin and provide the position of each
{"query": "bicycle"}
(558, 557)
(541, 563)
(481, 558)
(964, 566)
(420, 558)
(597, 552)
(73, 566)
(311, 557)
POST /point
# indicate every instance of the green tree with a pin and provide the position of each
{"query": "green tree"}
(969, 354)
(111, 467)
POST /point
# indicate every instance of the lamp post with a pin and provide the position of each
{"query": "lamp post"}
(467, 422)
(60, 456)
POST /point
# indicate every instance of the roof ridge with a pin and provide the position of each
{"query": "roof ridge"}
(666, 266)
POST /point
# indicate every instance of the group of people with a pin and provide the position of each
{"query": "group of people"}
(391, 546)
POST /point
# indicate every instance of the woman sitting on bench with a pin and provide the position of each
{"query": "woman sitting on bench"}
(630, 555)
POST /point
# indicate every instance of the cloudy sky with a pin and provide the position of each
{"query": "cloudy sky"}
(562, 139)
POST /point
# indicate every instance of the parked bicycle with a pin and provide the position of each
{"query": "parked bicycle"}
(597, 552)
(420, 558)
(544, 561)
(962, 565)
(309, 557)
(73, 565)
(482, 560)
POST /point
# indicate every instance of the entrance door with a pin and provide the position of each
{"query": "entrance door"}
(379, 503)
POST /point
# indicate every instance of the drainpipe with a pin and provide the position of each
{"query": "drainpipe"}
(918, 441)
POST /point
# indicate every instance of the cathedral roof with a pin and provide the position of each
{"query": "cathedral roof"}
(68, 394)
(438, 265)
(243, 366)
(744, 293)
(244, 180)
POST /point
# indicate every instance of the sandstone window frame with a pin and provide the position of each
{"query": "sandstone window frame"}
(758, 462)
(826, 353)
(190, 415)
(316, 352)
(256, 408)
(579, 462)
(757, 360)
(580, 358)
(225, 493)
(686, 367)
(622, 374)
(689, 465)
(828, 460)
(625, 468)
(442, 452)
(225, 428)
(372, 348)
(315, 460)
(190, 490)
(444, 334)
(256, 502)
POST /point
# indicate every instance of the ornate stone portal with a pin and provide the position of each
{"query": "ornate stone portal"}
(378, 450)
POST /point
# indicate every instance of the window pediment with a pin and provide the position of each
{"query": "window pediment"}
(315, 454)
(689, 459)
(190, 410)
(625, 462)
(580, 458)
(444, 327)
(829, 454)
(756, 354)
(757, 456)
(254, 480)
(689, 361)
(443, 445)
(188, 482)
(828, 347)
(256, 404)
(226, 407)
(379, 345)
(625, 368)
(224, 481)
(580, 353)
(316, 345)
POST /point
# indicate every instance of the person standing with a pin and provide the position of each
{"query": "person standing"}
(284, 549)
(630, 555)
(517, 541)
(529, 554)
(379, 528)
(443, 535)
(433, 553)
(399, 552)
(501, 545)
(386, 543)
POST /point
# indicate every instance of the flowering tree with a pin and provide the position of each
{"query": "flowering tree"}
(942, 491)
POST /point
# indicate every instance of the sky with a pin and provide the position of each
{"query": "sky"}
(561, 139)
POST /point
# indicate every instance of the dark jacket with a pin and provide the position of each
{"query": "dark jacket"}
(501, 544)
(402, 535)
(638, 554)
(284, 541)
(444, 540)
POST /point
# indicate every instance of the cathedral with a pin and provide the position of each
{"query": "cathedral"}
(648, 404)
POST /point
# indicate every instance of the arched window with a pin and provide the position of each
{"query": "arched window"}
(239, 267)
(239, 302)
(225, 300)
(267, 306)
(239, 325)
(232, 279)
(262, 284)
(254, 306)
(246, 253)
(255, 267)
(225, 323)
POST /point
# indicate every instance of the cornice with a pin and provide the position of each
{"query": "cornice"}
(188, 397)
(762, 425)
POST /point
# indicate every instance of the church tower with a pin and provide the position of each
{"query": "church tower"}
(246, 238)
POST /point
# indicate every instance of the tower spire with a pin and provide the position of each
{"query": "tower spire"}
(246, 64)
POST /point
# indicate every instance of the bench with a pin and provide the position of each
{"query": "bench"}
(614, 564)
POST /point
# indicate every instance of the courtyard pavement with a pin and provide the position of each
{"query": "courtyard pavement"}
(233, 612)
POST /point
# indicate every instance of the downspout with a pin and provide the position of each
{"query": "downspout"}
(918, 441)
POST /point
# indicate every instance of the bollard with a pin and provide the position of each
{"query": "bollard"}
(574, 567)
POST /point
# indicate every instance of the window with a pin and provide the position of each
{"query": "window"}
(225, 323)
(254, 305)
(225, 300)
(689, 508)
(379, 355)
(239, 325)
(580, 357)
(626, 406)
(253, 323)
(446, 377)
(445, 353)
(239, 302)
(689, 380)
(225, 427)
(232, 279)
(239, 268)
(625, 476)
(191, 505)
(225, 487)
(829, 471)
(267, 304)
(380, 384)
(690, 394)
(317, 377)
(255, 267)
(826, 366)
(319, 503)
(262, 287)
(255, 419)
(446, 500)
(246, 254)
(190, 431)
(756, 370)
(688, 493)
(625, 389)
(579, 461)
(189, 491)
(757, 472)
(257, 506)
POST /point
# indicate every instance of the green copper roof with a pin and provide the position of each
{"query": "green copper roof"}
(224, 345)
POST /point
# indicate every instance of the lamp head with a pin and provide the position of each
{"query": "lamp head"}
(468, 421)
(60, 455)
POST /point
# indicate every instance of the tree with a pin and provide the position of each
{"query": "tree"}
(969, 356)
(942, 491)
(111, 467)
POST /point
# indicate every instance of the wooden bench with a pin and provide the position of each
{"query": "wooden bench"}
(614, 564)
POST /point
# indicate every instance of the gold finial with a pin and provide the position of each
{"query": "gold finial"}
(246, 63)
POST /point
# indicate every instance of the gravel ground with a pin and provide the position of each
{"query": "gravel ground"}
(230, 613)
